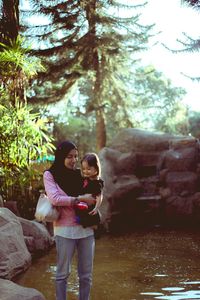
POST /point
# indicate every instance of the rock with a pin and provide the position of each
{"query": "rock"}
(139, 140)
(125, 164)
(181, 181)
(12, 205)
(196, 199)
(37, 237)
(125, 186)
(147, 165)
(116, 187)
(14, 256)
(181, 159)
(30, 243)
(12, 291)
(183, 142)
(176, 206)
(149, 185)
(1, 201)
(164, 192)
(196, 207)
(108, 158)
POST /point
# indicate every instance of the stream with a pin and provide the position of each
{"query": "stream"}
(145, 264)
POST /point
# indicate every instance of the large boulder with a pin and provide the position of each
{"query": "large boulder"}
(36, 236)
(107, 157)
(137, 140)
(119, 180)
(12, 291)
(178, 206)
(142, 167)
(14, 256)
(181, 182)
(180, 159)
(1, 201)
(12, 205)
(181, 142)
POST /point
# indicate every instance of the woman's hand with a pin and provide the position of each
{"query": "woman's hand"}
(87, 198)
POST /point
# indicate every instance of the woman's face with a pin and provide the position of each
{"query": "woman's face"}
(71, 159)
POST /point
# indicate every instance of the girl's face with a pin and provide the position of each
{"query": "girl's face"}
(90, 172)
(71, 159)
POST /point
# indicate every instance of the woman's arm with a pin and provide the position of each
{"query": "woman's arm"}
(87, 198)
(55, 196)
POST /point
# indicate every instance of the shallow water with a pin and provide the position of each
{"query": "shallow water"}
(156, 264)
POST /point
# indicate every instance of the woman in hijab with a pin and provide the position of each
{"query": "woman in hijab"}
(63, 184)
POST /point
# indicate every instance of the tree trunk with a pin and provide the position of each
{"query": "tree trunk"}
(100, 120)
(9, 31)
(97, 100)
(9, 24)
(100, 130)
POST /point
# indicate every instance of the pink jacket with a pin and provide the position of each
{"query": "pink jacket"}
(59, 198)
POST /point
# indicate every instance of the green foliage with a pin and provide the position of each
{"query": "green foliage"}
(194, 3)
(23, 134)
(17, 66)
(76, 31)
(188, 43)
(79, 129)
(14, 58)
(157, 103)
(91, 41)
(142, 98)
(194, 123)
(23, 139)
(175, 121)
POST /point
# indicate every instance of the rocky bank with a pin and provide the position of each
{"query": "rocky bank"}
(20, 239)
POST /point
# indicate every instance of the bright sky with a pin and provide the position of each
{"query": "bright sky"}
(172, 19)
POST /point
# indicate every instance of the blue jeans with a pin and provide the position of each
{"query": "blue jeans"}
(65, 250)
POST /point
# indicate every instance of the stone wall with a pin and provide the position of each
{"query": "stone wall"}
(150, 179)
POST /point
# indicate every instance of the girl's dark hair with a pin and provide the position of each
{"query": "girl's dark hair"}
(93, 161)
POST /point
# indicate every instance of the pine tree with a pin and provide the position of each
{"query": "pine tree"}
(194, 3)
(190, 44)
(87, 39)
(112, 39)
(55, 42)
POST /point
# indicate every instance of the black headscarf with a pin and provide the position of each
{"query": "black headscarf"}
(70, 181)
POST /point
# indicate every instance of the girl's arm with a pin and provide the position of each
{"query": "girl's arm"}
(99, 199)
(55, 196)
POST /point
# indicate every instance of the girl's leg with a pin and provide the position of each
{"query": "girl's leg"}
(65, 250)
(85, 248)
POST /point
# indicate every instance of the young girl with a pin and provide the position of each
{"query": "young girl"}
(89, 216)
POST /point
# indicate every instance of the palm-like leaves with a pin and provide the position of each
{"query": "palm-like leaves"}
(17, 66)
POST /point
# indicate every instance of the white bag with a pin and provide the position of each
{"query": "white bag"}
(45, 211)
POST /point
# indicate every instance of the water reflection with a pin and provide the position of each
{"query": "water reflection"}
(157, 264)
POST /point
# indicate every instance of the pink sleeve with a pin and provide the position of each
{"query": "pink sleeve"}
(57, 196)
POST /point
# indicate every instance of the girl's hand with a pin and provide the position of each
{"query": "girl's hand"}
(87, 198)
(99, 199)
(93, 212)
